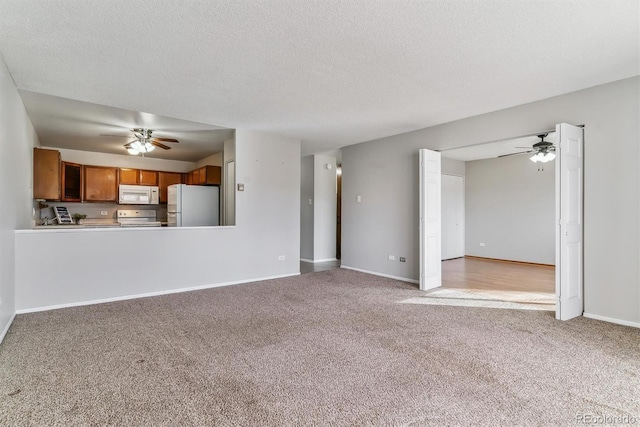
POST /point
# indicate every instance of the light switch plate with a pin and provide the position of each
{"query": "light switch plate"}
(240, 187)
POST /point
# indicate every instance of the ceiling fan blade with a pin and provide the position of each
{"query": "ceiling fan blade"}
(115, 136)
(516, 154)
(166, 139)
(157, 144)
(523, 147)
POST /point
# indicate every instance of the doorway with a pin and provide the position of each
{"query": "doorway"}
(568, 218)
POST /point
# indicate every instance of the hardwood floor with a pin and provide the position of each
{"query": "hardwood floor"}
(475, 273)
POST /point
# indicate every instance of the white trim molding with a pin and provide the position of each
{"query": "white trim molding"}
(611, 320)
(4, 332)
(375, 273)
(316, 261)
(148, 294)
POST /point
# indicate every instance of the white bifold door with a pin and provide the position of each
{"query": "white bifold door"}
(430, 220)
(569, 193)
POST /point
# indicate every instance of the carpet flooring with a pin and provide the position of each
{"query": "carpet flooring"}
(329, 348)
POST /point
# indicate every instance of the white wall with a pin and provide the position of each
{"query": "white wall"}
(306, 208)
(78, 266)
(124, 161)
(17, 139)
(213, 160)
(324, 208)
(385, 173)
(227, 204)
(510, 207)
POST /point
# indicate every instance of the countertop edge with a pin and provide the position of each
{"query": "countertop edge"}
(116, 229)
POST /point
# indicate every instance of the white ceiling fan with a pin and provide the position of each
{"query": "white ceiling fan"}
(145, 142)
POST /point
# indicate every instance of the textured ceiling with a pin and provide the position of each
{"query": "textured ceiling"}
(331, 72)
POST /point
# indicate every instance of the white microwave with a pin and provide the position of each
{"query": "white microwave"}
(138, 195)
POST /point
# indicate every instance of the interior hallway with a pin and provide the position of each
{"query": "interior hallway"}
(310, 267)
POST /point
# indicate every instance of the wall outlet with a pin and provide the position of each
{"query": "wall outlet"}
(281, 258)
(310, 202)
(403, 259)
(482, 244)
(392, 257)
(358, 198)
(103, 213)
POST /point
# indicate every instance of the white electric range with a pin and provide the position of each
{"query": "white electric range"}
(137, 218)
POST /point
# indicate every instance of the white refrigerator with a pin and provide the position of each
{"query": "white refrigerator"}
(192, 205)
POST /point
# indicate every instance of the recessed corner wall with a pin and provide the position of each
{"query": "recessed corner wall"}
(318, 208)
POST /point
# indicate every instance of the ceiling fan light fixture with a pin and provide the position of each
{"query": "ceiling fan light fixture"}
(133, 151)
(149, 147)
(535, 158)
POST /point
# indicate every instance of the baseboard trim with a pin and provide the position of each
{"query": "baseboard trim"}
(612, 320)
(508, 260)
(149, 294)
(315, 261)
(6, 329)
(375, 273)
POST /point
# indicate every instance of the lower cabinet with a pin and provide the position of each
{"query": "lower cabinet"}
(100, 184)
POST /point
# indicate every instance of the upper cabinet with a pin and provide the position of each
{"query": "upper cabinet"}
(71, 182)
(138, 177)
(165, 179)
(130, 176)
(46, 174)
(100, 184)
(54, 179)
(206, 175)
(148, 177)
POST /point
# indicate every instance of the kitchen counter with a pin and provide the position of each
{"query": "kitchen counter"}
(115, 227)
(63, 226)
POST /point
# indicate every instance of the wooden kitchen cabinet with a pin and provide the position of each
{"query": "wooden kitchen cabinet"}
(46, 174)
(129, 176)
(148, 177)
(71, 182)
(100, 184)
(206, 175)
(138, 177)
(165, 179)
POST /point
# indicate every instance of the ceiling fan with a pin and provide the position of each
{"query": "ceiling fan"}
(544, 151)
(145, 142)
